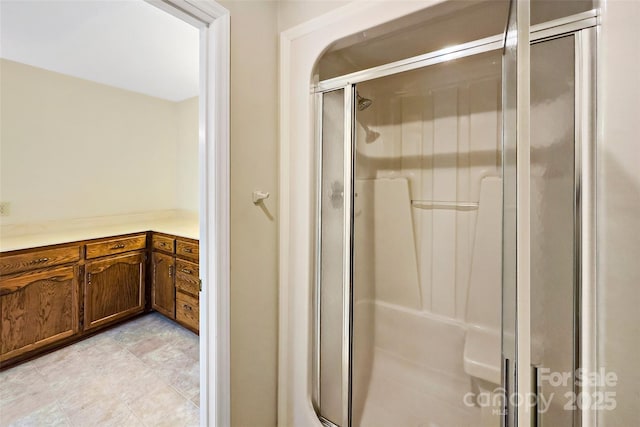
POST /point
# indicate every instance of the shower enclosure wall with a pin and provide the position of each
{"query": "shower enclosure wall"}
(413, 210)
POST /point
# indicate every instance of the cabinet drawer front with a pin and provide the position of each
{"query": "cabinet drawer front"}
(187, 310)
(116, 246)
(187, 250)
(187, 277)
(162, 243)
(39, 258)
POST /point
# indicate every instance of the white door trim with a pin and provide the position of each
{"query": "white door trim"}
(213, 20)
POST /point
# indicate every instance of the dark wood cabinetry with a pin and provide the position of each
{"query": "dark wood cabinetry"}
(176, 279)
(37, 309)
(55, 295)
(114, 289)
(163, 290)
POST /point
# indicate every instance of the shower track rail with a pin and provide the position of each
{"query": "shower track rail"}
(545, 30)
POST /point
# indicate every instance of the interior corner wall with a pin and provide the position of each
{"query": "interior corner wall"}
(187, 127)
(295, 12)
(71, 148)
(618, 202)
(253, 228)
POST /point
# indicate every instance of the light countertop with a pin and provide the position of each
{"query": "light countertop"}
(25, 236)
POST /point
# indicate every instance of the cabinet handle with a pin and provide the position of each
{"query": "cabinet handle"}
(120, 246)
(88, 278)
(186, 307)
(39, 261)
(184, 270)
(188, 250)
(163, 244)
(171, 271)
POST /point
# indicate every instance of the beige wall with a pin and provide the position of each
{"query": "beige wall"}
(187, 128)
(619, 208)
(255, 27)
(295, 12)
(254, 166)
(71, 148)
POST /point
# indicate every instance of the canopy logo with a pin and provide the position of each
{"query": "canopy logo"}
(570, 390)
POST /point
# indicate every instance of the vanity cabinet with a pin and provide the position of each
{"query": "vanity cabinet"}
(175, 285)
(114, 289)
(163, 290)
(38, 309)
(55, 295)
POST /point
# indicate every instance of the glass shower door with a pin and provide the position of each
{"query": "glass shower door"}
(333, 261)
(390, 284)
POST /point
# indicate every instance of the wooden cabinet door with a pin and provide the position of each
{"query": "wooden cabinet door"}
(37, 309)
(163, 289)
(114, 289)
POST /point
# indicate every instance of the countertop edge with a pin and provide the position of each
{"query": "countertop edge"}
(182, 229)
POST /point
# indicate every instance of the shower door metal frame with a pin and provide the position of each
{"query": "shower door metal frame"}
(585, 144)
(550, 29)
(347, 239)
(585, 210)
(582, 26)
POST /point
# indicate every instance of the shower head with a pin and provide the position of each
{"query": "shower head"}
(363, 103)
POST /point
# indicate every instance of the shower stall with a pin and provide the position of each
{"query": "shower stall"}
(420, 175)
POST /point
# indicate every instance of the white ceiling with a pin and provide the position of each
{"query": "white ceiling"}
(128, 44)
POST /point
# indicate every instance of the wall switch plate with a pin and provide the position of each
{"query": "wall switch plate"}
(4, 208)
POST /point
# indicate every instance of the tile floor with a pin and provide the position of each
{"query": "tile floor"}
(141, 373)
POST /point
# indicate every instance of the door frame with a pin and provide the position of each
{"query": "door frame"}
(213, 21)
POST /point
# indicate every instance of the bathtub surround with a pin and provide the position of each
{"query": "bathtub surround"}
(427, 244)
(444, 139)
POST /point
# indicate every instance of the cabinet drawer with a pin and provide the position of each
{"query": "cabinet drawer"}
(187, 250)
(116, 246)
(187, 310)
(187, 277)
(38, 259)
(162, 243)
